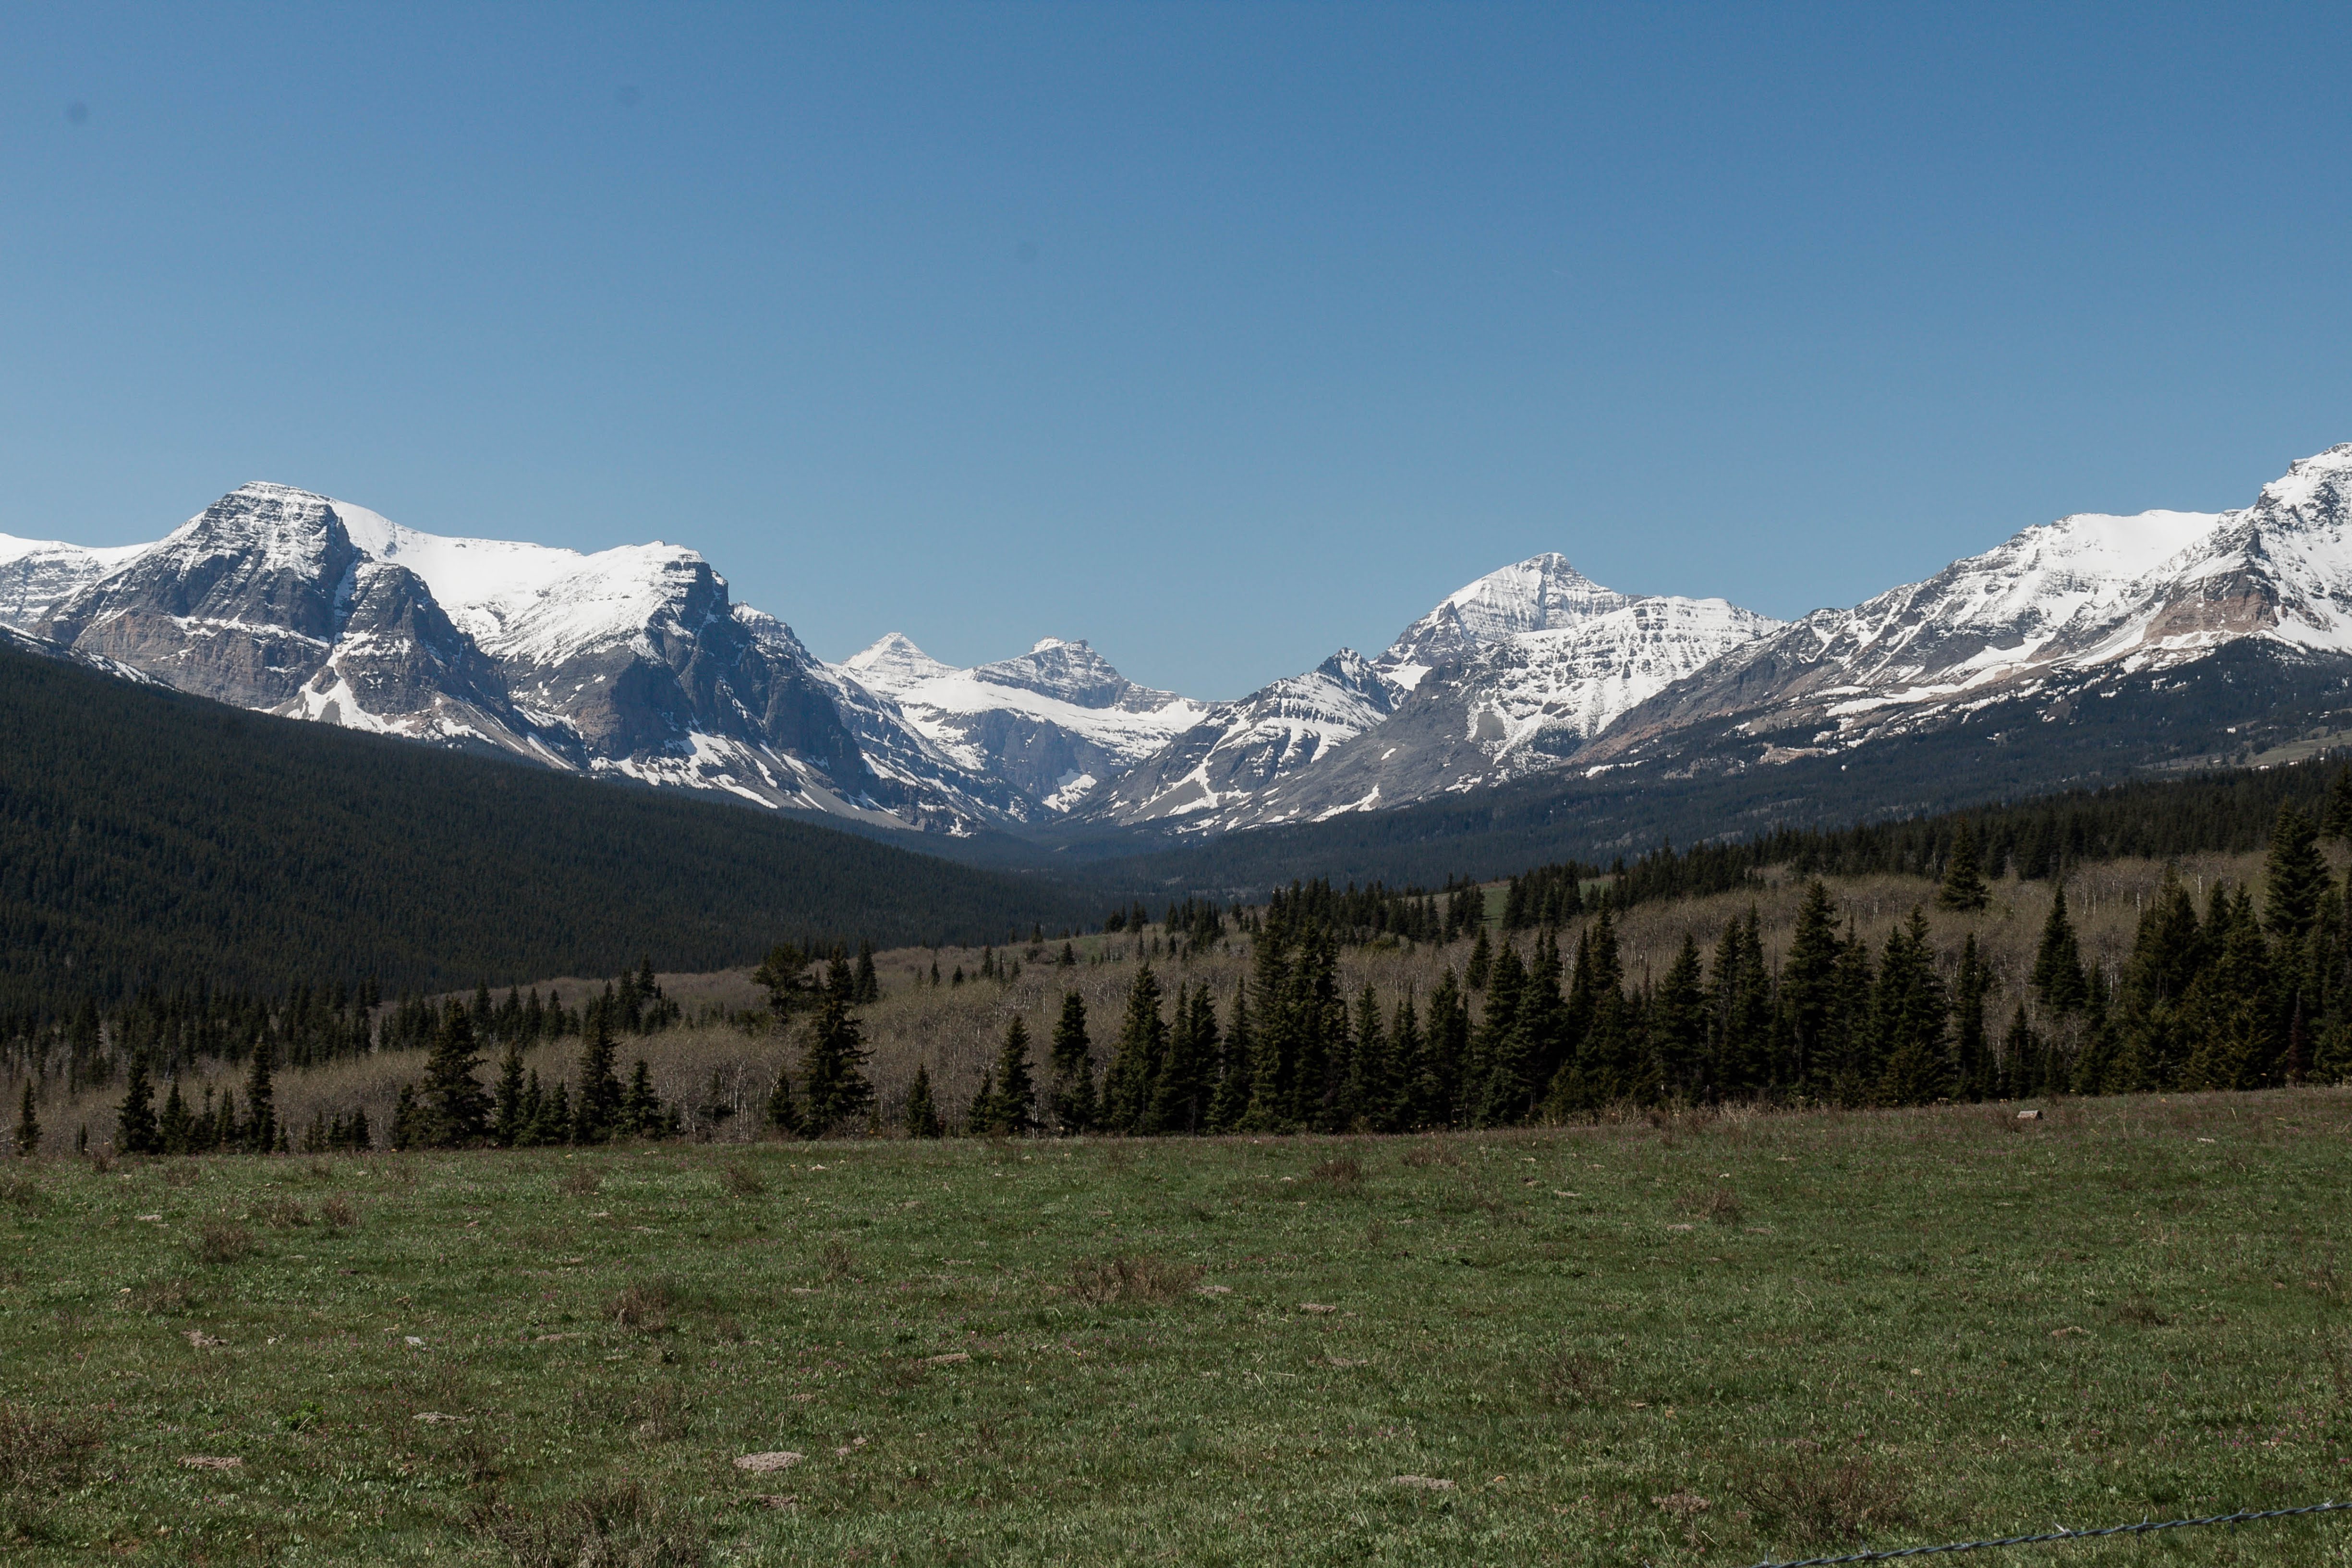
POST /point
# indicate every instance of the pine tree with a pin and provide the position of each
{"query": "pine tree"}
(1678, 1026)
(641, 1110)
(1136, 1058)
(922, 1115)
(28, 1124)
(1418, 1092)
(134, 1119)
(596, 1113)
(1911, 1011)
(1809, 987)
(1482, 960)
(833, 1064)
(507, 1125)
(1070, 1096)
(979, 1116)
(1964, 884)
(404, 1117)
(1014, 1112)
(1971, 1059)
(1449, 1050)
(868, 984)
(261, 1097)
(452, 1104)
(2297, 875)
(2338, 822)
(175, 1129)
(780, 1112)
(554, 1123)
(1229, 1103)
(1274, 1050)
(2058, 966)
(2021, 1058)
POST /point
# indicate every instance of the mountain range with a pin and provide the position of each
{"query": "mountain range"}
(635, 663)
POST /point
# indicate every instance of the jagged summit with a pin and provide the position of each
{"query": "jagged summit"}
(635, 661)
(892, 664)
(1542, 592)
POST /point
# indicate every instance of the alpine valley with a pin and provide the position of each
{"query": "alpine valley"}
(2086, 649)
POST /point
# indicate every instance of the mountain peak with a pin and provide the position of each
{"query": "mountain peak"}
(893, 665)
(2308, 479)
(1543, 592)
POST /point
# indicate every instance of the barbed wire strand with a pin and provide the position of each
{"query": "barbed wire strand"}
(2144, 1526)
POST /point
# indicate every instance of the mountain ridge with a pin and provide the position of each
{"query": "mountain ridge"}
(637, 663)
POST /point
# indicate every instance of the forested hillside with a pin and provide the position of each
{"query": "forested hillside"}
(149, 840)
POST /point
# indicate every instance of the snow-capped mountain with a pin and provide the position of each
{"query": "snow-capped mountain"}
(1054, 723)
(636, 662)
(1543, 592)
(1504, 678)
(1504, 681)
(2088, 595)
(1242, 753)
(630, 661)
(37, 573)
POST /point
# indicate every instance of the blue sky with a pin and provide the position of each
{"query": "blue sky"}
(1218, 334)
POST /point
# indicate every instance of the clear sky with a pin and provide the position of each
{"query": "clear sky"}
(1218, 334)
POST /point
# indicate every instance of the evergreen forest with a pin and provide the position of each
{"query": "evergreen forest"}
(153, 844)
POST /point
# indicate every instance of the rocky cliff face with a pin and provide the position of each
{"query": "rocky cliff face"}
(632, 661)
(36, 573)
(636, 662)
(1242, 755)
(2053, 607)
(1053, 725)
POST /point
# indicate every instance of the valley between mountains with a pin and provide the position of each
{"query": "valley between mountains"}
(2090, 646)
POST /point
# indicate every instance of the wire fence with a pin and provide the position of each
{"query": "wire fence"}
(2144, 1526)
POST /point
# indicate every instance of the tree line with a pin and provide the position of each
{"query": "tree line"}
(2242, 994)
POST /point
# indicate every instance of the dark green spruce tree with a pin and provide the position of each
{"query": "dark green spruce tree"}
(1135, 1060)
(2058, 964)
(134, 1119)
(1964, 883)
(833, 1062)
(2296, 876)
(780, 1112)
(507, 1124)
(1070, 1092)
(1013, 1109)
(922, 1111)
(261, 1099)
(596, 1111)
(453, 1107)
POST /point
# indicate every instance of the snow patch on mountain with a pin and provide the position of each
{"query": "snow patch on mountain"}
(1543, 592)
(37, 573)
(1050, 721)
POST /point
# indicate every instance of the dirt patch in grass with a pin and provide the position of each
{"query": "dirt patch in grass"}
(1573, 1379)
(741, 1181)
(618, 1526)
(1138, 1277)
(580, 1184)
(1342, 1173)
(219, 1242)
(1816, 1499)
(43, 1453)
(644, 1305)
(159, 1298)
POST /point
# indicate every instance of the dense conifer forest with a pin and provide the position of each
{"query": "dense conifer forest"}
(153, 844)
(2251, 989)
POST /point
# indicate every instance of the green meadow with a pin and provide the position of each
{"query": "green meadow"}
(1692, 1339)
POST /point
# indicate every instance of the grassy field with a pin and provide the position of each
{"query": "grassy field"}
(1697, 1342)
